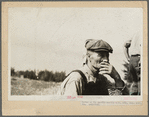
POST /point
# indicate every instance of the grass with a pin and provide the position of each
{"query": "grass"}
(24, 86)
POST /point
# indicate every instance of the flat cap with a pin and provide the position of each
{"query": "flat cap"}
(97, 45)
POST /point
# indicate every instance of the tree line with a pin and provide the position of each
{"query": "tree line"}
(43, 75)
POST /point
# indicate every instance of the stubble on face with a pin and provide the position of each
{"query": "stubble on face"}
(95, 59)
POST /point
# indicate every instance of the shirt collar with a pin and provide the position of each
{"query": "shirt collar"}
(89, 74)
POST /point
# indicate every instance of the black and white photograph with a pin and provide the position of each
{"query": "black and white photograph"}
(75, 52)
(74, 58)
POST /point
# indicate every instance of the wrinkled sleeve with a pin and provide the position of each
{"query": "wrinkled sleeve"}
(74, 85)
(118, 90)
(109, 84)
(114, 90)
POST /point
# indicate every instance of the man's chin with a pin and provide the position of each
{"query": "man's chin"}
(96, 68)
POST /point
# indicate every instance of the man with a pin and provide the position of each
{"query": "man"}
(132, 52)
(90, 79)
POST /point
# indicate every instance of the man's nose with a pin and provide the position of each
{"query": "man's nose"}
(105, 59)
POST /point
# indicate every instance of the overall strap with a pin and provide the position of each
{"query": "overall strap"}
(84, 79)
(81, 73)
(65, 81)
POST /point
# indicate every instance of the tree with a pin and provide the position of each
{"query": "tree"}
(132, 79)
(50, 76)
(12, 71)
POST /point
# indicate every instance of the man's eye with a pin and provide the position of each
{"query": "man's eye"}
(99, 54)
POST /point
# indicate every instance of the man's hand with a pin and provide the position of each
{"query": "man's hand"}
(106, 68)
(127, 44)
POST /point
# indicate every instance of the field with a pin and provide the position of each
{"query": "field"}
(24, 86)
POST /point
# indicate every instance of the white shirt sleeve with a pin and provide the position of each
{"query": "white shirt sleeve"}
(135, 47)
(74, 86)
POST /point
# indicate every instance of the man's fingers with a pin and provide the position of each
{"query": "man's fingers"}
(103, 69)
(103, 72)
(104, 66)
(104, 63)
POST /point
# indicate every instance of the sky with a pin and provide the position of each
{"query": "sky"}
(54, 38)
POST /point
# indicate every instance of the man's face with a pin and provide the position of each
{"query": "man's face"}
(96, 58)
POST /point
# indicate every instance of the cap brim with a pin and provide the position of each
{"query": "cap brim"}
(101, 50)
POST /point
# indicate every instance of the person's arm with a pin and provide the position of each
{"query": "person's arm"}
(119, 83)
(126, 49)
(107, 68)
(74, 85)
